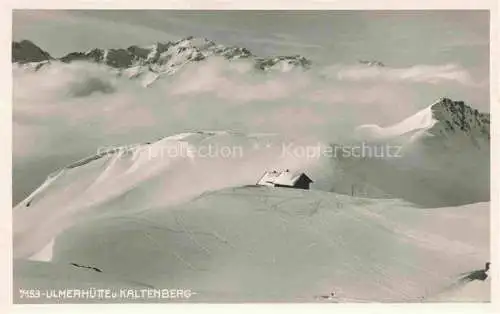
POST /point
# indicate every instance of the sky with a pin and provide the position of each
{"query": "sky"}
(428, 55)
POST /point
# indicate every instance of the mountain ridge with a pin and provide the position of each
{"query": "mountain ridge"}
(160, 58)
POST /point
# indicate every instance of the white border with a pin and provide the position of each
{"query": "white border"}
(6, 156)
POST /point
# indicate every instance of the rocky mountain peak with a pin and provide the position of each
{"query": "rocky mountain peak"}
(26, 51)
(456, 116)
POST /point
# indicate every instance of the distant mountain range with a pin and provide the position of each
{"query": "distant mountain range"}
(162, 58)
(159, 59)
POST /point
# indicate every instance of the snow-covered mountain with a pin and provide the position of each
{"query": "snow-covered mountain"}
(161, 58)
(373, 63)
(28, 55)
(439, 156)
(26, 51)
(444, 119)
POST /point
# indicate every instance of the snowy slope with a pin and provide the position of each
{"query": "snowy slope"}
(167, 171)
(45, 276)
(416, 124)
(274, 244)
